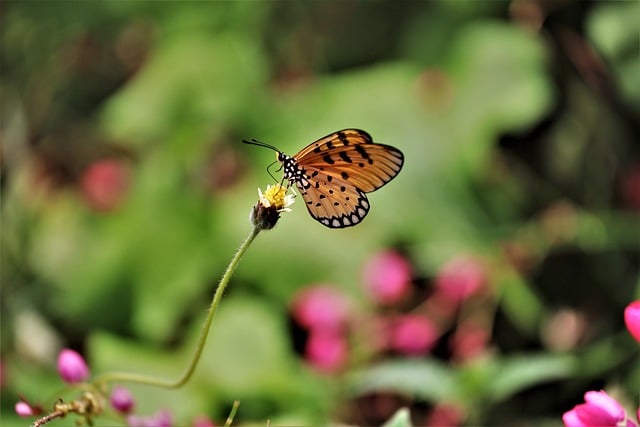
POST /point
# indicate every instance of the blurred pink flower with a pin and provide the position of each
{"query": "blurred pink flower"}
(599, 409)
(104, 184)
(413, 335)
(469, 341)
(460, 278)
(320, 307)
(326, 350)
(71, 366)
(202, 421)
(121, 399)
(387, 277)
(23, 409)
(162, 418)
(632, 319)
(444, 414)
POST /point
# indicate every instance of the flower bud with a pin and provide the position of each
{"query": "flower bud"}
(72, 367)
(121, 400)
(23, 409)
(632, 319)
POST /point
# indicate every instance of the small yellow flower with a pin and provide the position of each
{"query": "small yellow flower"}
(276, 196)
(274, 200)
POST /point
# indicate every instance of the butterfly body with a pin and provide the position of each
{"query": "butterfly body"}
(334, 173)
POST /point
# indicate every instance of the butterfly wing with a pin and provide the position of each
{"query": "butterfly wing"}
(350, 155)
(336, 139)
(332, 201)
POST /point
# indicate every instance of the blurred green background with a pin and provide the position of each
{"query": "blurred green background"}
(126, 190)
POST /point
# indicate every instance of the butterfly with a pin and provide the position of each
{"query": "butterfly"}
(334, 173)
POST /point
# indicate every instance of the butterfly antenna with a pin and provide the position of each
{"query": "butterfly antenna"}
(253, 141)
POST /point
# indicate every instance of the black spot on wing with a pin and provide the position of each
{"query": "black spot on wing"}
(344, 156)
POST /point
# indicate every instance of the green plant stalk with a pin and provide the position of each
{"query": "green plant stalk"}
(131, 377)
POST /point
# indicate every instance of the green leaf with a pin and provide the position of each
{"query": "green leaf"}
(193, 82)
(520, 302)
(424, 379)
(517, 373)
(613, 27)
(247, 348)
(500, 74)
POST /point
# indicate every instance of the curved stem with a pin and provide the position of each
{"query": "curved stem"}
(131, 377)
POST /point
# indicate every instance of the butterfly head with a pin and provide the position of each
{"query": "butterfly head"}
(281, 157)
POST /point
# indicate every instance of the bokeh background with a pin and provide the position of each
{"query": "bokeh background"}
(126, 190)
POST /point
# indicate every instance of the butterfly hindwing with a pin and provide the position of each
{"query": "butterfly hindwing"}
(331, 201)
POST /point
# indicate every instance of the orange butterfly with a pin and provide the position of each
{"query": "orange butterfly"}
(334, 173)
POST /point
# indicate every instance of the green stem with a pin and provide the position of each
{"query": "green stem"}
(131, 377)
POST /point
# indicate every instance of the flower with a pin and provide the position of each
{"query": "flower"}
(202, 421)
(632, 319)
(121, 400)
(444, 414)
(387, 277)
(320, 307)
(72, 367)
(271, 203)
(599, 409)
(104, 184)
(162, 418)
(469, 341)
(23, 409)
(326, 350)
(460, 278)
(413, 335)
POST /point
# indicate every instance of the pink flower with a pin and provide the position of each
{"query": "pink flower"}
(202, 421)
(321, 307)
(599, 409)
(469, 341)
(104, 184)
(162, 418)
(326, 350)
(121, 400)
(72, 367)
(24, 410)
(445, 415)
(413, 335)
(632, 319)
(387, 277)
(460, 278)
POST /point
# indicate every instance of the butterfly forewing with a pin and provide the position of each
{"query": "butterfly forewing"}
(367, 166)
(337, 139)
